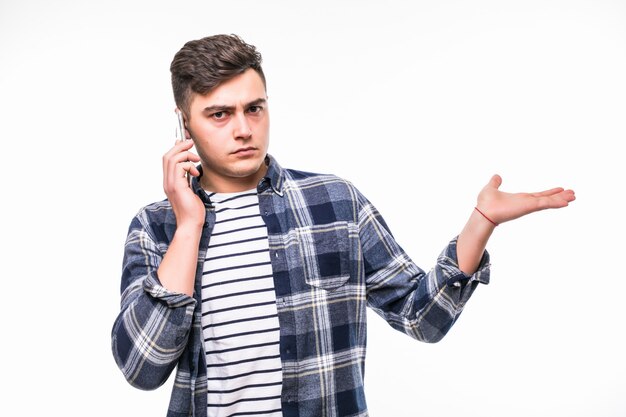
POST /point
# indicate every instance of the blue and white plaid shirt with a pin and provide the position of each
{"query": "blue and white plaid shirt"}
(332, 254)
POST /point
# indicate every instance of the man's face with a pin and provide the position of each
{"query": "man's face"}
(230, 129)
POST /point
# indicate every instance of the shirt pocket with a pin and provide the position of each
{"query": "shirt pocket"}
(325, 253)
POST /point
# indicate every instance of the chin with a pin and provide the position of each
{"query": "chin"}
(247, 168)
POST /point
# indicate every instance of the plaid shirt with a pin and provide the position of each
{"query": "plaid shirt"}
(332, 254)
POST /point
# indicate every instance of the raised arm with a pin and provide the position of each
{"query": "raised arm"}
(178, 270)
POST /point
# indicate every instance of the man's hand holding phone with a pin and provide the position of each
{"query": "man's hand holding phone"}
(178, 267)
(179, 164)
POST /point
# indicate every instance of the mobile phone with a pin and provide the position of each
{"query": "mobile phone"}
(180, 126)
(180, 135)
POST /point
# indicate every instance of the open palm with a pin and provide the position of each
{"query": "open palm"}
(502, 207)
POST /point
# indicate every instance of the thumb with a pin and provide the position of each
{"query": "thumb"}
(495, 181)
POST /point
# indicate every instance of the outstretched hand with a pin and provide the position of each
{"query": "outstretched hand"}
(501, 207)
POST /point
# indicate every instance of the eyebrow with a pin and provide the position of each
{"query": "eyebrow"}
(224, 107)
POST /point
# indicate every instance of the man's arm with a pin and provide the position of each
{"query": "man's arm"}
(425, 305)
(157, 307)
(495, 207)
(177, 272)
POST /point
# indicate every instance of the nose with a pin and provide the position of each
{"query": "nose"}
(242, 128)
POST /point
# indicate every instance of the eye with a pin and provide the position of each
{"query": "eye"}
(254, 109)
(219, 115)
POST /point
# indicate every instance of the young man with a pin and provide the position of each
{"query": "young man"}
(253, 279)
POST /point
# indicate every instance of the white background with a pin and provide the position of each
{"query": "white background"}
(416, 102)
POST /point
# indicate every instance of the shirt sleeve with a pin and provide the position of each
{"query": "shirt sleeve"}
(422, 305)
(153, 326)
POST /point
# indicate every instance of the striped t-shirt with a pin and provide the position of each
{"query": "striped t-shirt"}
(239, 316)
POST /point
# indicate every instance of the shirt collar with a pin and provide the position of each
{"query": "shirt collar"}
(274, 176)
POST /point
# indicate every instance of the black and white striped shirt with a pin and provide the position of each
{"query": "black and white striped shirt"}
(239, 316)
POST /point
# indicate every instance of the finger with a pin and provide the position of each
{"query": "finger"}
(568, 195)
(179, 165)
(551, 202)
(186, 167)
(176, 178)
(183, 144)
(180, 145)
(193, 170)
(558, 200)
(171, 167)
(549, 192)
(184, 157)
(178, 148)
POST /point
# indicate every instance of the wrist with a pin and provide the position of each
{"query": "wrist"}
(472, 241)
(189, 229)
(479, 225)
(485, 216)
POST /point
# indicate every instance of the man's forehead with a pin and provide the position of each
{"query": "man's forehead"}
(202, 102)
(241, 90)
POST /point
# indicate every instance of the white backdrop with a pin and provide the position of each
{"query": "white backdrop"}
(416, 102)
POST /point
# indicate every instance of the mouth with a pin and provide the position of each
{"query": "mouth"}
(245, 151)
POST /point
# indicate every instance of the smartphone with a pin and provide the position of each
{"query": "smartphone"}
(180, 126)
(180, 135)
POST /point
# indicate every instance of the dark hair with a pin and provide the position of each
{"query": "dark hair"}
(203, 64)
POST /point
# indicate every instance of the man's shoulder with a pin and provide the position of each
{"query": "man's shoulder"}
(297, 178)
(327, 197)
